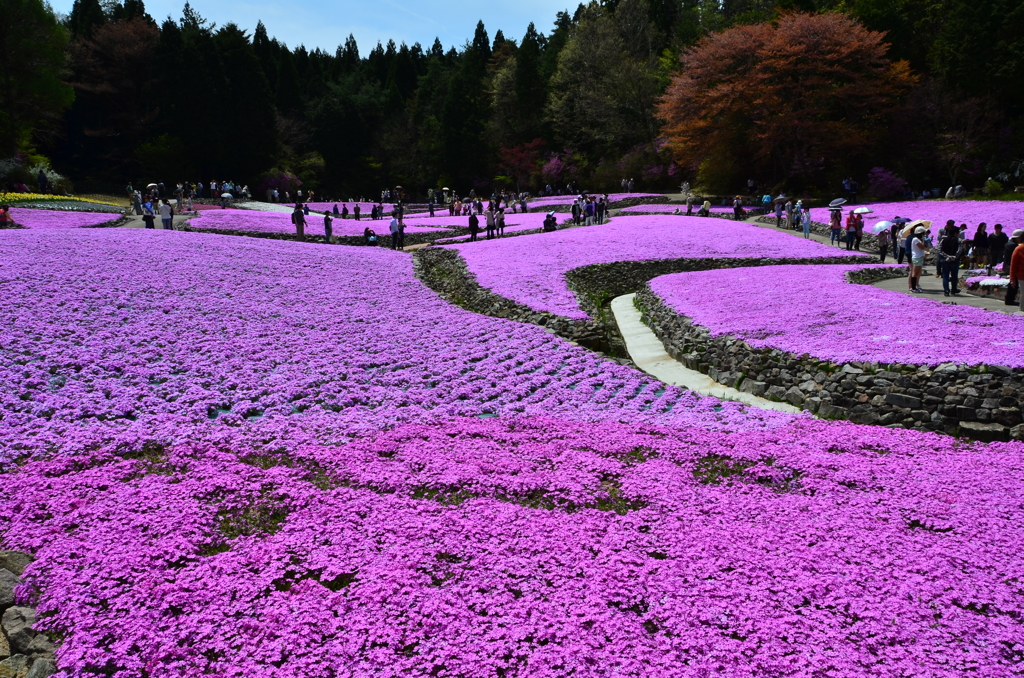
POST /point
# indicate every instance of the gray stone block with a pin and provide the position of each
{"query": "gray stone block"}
(14, 667)
(15, 561)
(8, 580)
(42, 668)
(900, 400)
(794, 396)
(17, 623)
(775, 393)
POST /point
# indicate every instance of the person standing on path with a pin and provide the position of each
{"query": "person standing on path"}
(167, 215)
(778, 214)
(137, 201)
(851, 230)
(835, 224)
(883, 244)
(299, 219)
(996, 244)
(474, 227)
(979, 257)
(490, 221)
(789, 214)
(355, 211)
(328, 231)
(500, 222)
(858, 231)
(148, 216)
(805, 221)
(1017, 265)
(689, 204)
(576, 212)
(948, 257)
(397, 241)
(1015, 239)
(917, 252)
(894, 238)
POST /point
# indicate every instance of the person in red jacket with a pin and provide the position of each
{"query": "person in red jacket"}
(1017, 264)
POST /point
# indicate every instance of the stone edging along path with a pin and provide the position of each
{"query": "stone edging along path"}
(981, 402)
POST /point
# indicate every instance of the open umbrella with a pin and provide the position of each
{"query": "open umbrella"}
(863, 210)
(901, 220)
(150, 185)
(881, 226)
(913, 225)
(838, 202)
(226, 195)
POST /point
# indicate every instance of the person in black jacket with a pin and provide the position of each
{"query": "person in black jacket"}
(996, 244)
(474, 226)
(948, 257)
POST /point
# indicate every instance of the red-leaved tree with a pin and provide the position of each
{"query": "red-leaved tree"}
(809, 92)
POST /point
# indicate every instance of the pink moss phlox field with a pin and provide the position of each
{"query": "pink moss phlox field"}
(553, 200)
(364, 207)
(815, 310)
(534, 547)
(970, 212)
(54, 219)
(116, 331)
(670, 209)
(249, 221)
(531, 269)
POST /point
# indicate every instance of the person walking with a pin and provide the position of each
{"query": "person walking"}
(805, 222)
(299, 219)
(328, 230)
(948, 257)
(917, 252)
(474, 227)
(630, 186)
(789, 215)
(858, 231)
(167, 215)
(1017, 265)
(883, 244)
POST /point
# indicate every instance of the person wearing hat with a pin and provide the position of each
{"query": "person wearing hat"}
(996, 244)
(918, 247)
(550, 223)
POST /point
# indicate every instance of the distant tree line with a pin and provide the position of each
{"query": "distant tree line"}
(790, 93)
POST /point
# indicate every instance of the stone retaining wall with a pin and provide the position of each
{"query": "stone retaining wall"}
(983, 402)
(24, 653)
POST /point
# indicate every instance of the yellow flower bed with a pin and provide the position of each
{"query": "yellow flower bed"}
(31, 197)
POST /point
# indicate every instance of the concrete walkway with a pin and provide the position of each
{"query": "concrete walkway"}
(649, 355)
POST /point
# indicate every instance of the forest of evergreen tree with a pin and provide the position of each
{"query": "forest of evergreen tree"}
(598, 95)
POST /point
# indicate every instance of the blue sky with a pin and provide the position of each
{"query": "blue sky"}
(325, 24)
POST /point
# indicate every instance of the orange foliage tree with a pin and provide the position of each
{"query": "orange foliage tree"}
(801, 98)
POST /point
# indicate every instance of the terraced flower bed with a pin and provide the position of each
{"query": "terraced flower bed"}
(970, 212)
(807, 335)
(279, 226)
(248, 457)
(534, 270)
(52, 219)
